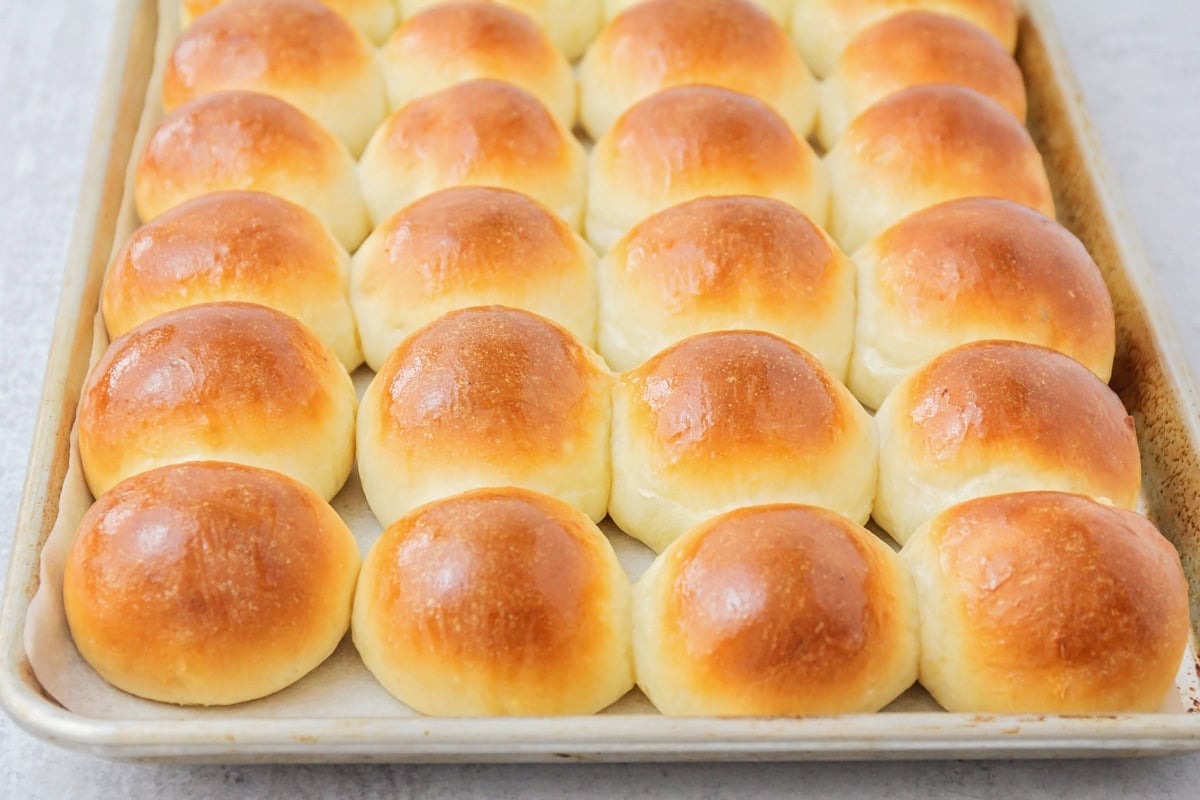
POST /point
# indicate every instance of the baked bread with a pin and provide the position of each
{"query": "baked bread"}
(496, 602)
(298, 50)
(663, 43)
(246, 246)
(998, 417)
(224, 382)
(823, 28)
(570, 23)
(486, 396)
(1047, 603)
(375, 19)
(925, 145)
(481, 132)
(464, 247)
(911, 49)
(969, 270)
(246, 140)
(453, 42)
(209, 583)
(780, 10)
(775, 610)
(694, 141)
(731, 419)
(720, 263)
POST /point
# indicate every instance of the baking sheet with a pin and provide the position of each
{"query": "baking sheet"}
(339, 712)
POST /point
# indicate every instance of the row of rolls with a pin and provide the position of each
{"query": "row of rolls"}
(699, 369)
(683, 98)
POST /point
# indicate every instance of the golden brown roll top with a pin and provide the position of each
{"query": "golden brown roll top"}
(997, 417)
(468, 246)
(209, 583)
(460, 41)
(245, 246)
(780, 10)
(823, 28)
(481, 132)
(969, 270)
(486, 396)
(496, 602)
(925, 145)
(375, 19)
(570, 23)
(1047, 603)
(730, 419)
(722, 263)
(694, 141)
(663, 43)
(251, 141)
(775, 610)
(298, 50)
(911, 49)
(223, 381)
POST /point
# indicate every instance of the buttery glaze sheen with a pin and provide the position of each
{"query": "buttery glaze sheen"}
(733, 394)
(209, 583)
(778, 609)
(497, 601)
(1048, 603)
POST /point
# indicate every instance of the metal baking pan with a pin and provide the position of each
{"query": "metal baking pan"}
(1150, 375)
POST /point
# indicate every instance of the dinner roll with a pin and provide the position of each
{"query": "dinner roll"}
(912, 49)
(775, 610)
(496, 602)
(780, 10)
(720, 263)
(663, 43)
(996, 417)
(570, 23)
(486, 396)
(375, 19)
(245, 246)
(297, 50)
(730, 419)
(468, 246)
(924, 145)
(693, 141)
(1047, 603)
(454, 42)
(969, 270)
(209, 583)
(480, 132)
(246, 140)
(223, 381)
(823, 28)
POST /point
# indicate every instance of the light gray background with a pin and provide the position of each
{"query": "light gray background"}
(1139, 63)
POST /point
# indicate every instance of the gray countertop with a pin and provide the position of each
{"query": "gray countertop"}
(1139, 63)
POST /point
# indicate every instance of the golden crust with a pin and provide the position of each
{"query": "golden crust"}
(496, 382)
(737, 396)
(691, 139)
(992, 264)
(663, 43)
(715, 252)
(468, 238)
(208, 583)
(989, 398)
(951, 138)
(1065, 605)
(263, 44)
(215, 379)
(246, 246)
(787, 609)
(496, 601)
